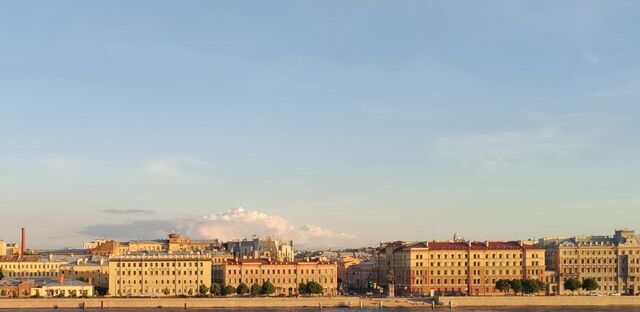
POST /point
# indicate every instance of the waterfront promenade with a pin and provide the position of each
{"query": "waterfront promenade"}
(353, 302)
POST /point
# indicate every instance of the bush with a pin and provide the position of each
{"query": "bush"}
(203, 290)
(572, 284)
(590, 284)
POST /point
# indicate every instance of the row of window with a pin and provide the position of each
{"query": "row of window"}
(161, 282)
(158, 265)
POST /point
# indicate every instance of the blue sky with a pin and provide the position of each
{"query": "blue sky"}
(331, 123)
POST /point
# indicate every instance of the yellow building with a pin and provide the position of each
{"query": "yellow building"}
(614, 262)
(285, 276)
(158, 274)
(470, 268)
(73, 289)
(95, 273)
(343, 265)
(30, 266)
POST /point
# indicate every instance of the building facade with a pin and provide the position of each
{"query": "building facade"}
(264, 248)
(455, 268)
(30, 266)
(94, 272)
(613, 261)
(285, 276)
(158, 275)
(174, 244)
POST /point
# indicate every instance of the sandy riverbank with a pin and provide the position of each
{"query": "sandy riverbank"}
(541, 301)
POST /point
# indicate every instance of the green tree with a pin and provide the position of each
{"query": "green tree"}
(166, 291)
(203, 290)
(572, 284)
(590, 284)
(503, 285)
(314, 288)
(267, 288)
(216, 289)
(255, 289)
(529, 286)
(303, 289)
(228, 290)
(540, 285)
(243, 289)
(516, 286)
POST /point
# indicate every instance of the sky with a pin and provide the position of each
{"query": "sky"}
(329, 123)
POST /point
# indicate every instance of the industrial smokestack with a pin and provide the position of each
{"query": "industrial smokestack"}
(23, 246)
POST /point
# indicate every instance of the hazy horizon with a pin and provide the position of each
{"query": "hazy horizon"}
(331, 123)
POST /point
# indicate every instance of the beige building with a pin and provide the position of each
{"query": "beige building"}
(286, 276)
(456, 267)
(31, 266)
(94, 272)
(159, 274)
(361, 277)
(63, 288)
(614, 262)
(174, 244)
(261, 248)
(344, 263)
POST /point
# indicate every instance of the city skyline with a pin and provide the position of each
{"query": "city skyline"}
(334, 124)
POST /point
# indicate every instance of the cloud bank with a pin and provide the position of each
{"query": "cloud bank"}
(232, 224)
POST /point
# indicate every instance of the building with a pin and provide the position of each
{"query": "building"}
(17, 288)
(174, 244)
(360, 277)
(29, 267)
(614, 262)
(265, 248)
(95, 272)
(455, 267)
(160, 274)
(63, 289)
(344, 263)
(218, 260)
(93, 244)
(285, 276)
(3, 248)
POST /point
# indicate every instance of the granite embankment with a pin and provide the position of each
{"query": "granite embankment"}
(354, 302)
(542, 301)
(249, 303)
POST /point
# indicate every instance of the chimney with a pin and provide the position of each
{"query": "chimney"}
(23, 247)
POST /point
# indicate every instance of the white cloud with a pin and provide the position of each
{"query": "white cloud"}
(232, 224)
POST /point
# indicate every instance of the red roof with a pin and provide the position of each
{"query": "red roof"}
(475, 246)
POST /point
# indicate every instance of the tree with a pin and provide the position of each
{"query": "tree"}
(590, 284)
(228, 290)
(529, 286)
(516, 286)
(302, 289)
(503, 285)
(243, 289)
(166, 291)
(255, 289)
(572, 284)
(314, 288)
(203, 290)
(267, 288)
(1, 274)
(540, 285)
(216, 289)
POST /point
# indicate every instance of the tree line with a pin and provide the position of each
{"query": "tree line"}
(520, 286)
